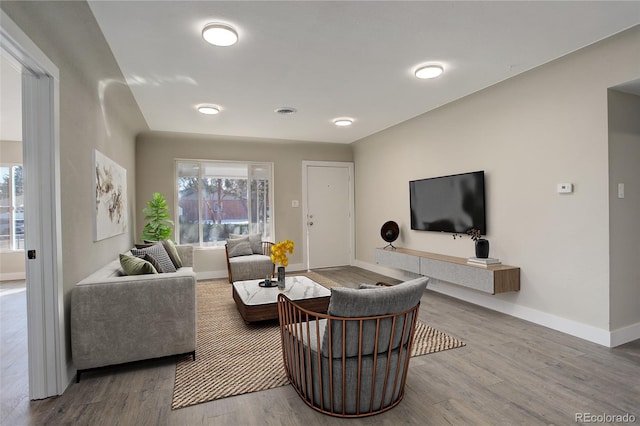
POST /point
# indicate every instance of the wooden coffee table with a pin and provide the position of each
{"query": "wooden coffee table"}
(257, 303)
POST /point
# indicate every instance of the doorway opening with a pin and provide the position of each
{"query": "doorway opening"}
(48, 370)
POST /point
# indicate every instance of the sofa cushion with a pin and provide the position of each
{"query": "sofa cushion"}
(255, 240)
(239, 247)
(160, 254)
(133, 265)
(172, 251)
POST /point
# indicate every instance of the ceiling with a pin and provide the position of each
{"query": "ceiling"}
(331, 59)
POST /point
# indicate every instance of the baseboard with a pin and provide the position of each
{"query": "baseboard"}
(624, 335)
(12, 276)
(564, 325)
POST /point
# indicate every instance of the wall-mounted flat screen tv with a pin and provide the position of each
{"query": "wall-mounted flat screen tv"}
(454, 203)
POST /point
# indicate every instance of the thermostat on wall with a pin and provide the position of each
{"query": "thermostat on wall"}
(565, 188)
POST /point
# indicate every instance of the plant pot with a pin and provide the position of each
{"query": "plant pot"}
(482, 248)
(280, 276)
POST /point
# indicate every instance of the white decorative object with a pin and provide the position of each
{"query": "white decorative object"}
(110, 183)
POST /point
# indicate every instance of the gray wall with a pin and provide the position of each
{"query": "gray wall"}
(528, 133)
(624, 167)
(97, 111)
(156, 153)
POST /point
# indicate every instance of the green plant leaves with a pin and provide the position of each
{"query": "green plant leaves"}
(160, 225)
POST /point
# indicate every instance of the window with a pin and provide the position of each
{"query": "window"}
(218, 198)
(11, 208)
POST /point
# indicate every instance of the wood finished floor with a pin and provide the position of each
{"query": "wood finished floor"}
(511, 372)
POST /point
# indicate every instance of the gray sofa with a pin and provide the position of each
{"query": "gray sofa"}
(117, 318)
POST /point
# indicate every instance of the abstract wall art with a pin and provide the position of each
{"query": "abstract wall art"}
(111, 197)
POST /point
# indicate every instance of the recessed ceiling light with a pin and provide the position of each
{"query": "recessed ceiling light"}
(429, 71)
(343, 122)
(286, 110)
(209, 109)
(220, 34)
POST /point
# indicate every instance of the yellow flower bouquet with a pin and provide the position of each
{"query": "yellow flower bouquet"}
(279, 252)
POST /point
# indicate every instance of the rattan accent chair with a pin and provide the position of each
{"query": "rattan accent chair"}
(353, 360)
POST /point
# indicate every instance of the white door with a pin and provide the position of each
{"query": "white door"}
(328, 210)
(49, 373)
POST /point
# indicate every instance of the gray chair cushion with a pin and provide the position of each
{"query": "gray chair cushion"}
(239, 247)
(255, 240)
(254, 266)
(350, 303)
(381, 300)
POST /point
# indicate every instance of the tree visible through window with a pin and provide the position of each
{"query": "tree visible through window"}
(11, 208)
(218, 198)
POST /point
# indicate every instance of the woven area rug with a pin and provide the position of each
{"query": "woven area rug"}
(233, 358)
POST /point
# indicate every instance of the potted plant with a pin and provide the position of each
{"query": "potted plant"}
(159, 224)
(482, 244)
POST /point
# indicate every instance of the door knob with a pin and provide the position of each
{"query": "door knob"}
(310, 223)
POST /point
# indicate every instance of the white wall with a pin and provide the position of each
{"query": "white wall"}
(624, 167)
(156, 153)
(529, 133)
(97, 111)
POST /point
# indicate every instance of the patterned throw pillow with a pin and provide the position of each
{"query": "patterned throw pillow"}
(158, 252)
(132, 265)
(152, 260)
(239, 247)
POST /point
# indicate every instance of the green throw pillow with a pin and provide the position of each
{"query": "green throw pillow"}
(172, 251)
(136, 266)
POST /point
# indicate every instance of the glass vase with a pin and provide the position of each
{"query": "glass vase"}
(281, 277)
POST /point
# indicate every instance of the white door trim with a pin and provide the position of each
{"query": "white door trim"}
(305, 213)
(49, 372)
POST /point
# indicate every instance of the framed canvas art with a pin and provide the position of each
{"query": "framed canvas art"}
(111, 197)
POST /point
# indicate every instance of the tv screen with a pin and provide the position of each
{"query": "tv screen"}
(448, 203)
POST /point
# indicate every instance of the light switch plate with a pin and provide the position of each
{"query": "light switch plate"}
(565, 188)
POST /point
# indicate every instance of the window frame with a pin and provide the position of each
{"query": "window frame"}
(12, 210)
(201, 162)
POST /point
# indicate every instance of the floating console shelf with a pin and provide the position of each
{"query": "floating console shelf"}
(489, 279)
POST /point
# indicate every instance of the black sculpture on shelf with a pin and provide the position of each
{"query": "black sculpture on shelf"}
(389, 233)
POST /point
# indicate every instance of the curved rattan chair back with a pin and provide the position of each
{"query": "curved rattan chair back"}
(337, 375)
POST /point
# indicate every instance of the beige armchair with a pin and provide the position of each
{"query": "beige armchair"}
(352, 361)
